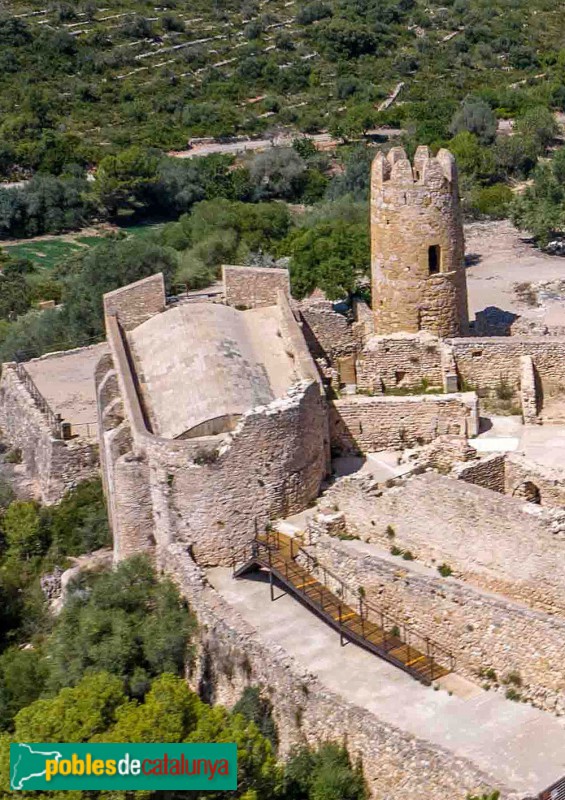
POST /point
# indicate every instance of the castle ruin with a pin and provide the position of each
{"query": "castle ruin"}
(350, 446)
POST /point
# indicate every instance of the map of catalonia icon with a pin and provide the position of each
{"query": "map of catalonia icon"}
(28, 765)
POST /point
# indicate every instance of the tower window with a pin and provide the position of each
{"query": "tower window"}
(434, 259)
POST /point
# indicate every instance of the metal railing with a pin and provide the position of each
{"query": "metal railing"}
(90, 429)
(396, 633)
(555, 792)
(55, 421)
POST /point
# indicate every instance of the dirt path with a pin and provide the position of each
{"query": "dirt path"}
(322, 141)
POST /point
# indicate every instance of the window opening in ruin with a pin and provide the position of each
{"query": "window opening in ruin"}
(399, 377)
(434, 259)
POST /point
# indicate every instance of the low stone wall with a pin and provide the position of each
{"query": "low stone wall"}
(54, 465)
(254, 287)
(488, 472)
(515, 475)
(494, 542)
(400, 360)
(232, 656)
(482, 630)
(444, 453)
(366, 424)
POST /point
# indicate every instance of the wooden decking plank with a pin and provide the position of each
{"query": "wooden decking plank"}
(281, 556)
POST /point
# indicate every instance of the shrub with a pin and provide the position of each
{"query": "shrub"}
(492, 201)
(491, 796)
(6, 494)
(445, 570)
(475, 116)
(513, 678)
(504, 391)
(259, 710)
(79, 523)
(323, 774)
(14, 456)
(204, 456)
(127, 622)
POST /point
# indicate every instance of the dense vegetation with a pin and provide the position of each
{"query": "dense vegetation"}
(328, 246)
(110, 667)
(114, 87)
(80, 79)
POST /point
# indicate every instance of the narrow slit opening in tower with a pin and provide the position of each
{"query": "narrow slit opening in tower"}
(434, 259)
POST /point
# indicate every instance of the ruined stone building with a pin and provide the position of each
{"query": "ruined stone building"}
(212, 421)
(221, 421)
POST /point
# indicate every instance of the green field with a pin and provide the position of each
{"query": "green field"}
(49, 253)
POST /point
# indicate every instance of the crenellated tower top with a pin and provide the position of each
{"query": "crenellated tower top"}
(427, 171)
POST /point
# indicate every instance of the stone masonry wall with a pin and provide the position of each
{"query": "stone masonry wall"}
(54, 465)
(415, 207)
(254, 287)
(137, 302)
(366, 424)
(494, 542)
(487, 472)
(213, 494)
(329, 334)
(232, 656)
(484, 363)
(549, 482)
(271, 466)
(515, 475)
(528, 391)
(482, 630)
(402, 360)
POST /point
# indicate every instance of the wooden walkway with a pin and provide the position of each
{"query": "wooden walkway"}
(346, 611)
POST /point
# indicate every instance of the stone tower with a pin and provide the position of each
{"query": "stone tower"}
(418, 249)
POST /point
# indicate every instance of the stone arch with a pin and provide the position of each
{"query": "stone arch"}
(528, 491)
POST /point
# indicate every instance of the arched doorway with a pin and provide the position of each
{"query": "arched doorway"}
(528, 491)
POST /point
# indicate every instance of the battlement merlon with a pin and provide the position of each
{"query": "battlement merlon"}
(426, 171)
